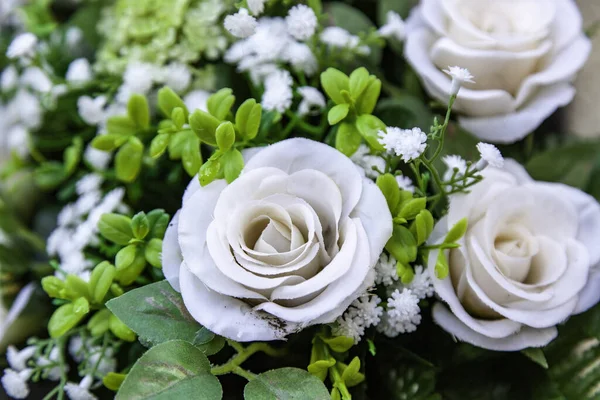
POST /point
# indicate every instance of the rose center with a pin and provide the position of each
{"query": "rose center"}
(267, 235)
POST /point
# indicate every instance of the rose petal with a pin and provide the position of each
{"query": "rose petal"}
(171, 253)
(293, 155)
(515, 125)
(590, 294)
(227, 316)
(521, 339)
(567, 24)
(376, 219)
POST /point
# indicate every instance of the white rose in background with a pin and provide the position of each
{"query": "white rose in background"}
(523, 54)
(529, 259)
(290, 243)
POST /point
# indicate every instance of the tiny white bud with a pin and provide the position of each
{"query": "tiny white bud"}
(459, 76)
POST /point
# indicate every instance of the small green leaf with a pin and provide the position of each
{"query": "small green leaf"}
(536, 355)
(127, 275)
(441, 266)
(107, 142)
(369, 127)
(116, 228)
(156, 313)
(359, 79)
(321, 367)
(225, 135)
(348, 139)
(205, 126)
(333, 82)
(422, 226)
(171, 370)
(128, 160)
(140, 225)
(337, 113)
(402, 245)
(286, 384)
(412, 208)
(137, 109)
(99, 323)
(168, 100)
(53, 286)
(191, 158)
(203, 336)
(209, 171)
(351, 375)
(125, 257)
(72, 155)
(457, 231)
(159, 145)
(100, 281)
(178, 142)
(67, 317)
(121, 125)
(76, 287)
(120, 330)
(368, 99)
(247, 118)
(388, 185)
(219, 104)
(178, 117)
(339, 344)
(49, 175)
(233, 163)
(153, 252)
(159, 220)
(113, 380)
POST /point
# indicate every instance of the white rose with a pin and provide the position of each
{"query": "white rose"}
(529, 259)
(523, 54)
(13, 327)
(290, 243)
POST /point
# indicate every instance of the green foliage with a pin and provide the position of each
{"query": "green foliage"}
(285, 384)
(67, 317)
(174, 369)
(51, 174)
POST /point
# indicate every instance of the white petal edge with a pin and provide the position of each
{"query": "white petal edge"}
(525, 338)
(511, 127)
(17, 308)
(171, 253)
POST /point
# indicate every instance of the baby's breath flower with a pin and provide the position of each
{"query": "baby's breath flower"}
(459, 76)
(18, 359)
(311, 99)
(385, 270)
(403, 313)
(406, 143)
(79, 71)
(394, 27)
(240, 24)
(80, 391)
(489, 155)
(278, 91)
(405, 183)
(256, 6)
(91, 110)
(362, 313)
(15, 383)
(22, 46)
(301, 22)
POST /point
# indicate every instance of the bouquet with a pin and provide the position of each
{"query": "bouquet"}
(276, 199)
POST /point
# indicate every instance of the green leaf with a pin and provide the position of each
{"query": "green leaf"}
(100, 281)
(159, 221)
(156, 313)
(99, 323)
(388, 185)
(233, 163)
(120, 330)
(67, 317)
(128, 274)
(209, 171)
(333, 82)
(359, 79)
(536, 355)
(168, 100)
(128, 160)
(116, 228)
(247, 118)
(125, 257)
(72, 155)
(441, 266)
(422, 226)
(113, 380)
(368, 99)
(286, 384)
(140, 225)
(320, 368)
(225, 135)
(153, 251)
(121, 125)
(412, 208)
(107, 142)
(339, 344)
(219, 104)
(171, 370)
(205, 126)
(178, 117)
(369, 127)
(137, 109)
(348, 139)
(457, 231)
(49, 175)
(191, 158)
(351, 375)
(402, 245)
(178, 142)
(159, 145)
(338, 113)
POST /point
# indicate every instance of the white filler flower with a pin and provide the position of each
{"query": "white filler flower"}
(240, 24)
(290, 243)
(301, 22)
(22, 46)
(529, 260)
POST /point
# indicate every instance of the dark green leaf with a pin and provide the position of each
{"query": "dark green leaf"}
(205, 126)
(137, 109)
(286, 384)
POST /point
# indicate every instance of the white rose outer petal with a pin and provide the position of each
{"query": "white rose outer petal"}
(329, 223)
(563, 226)
(500, 111)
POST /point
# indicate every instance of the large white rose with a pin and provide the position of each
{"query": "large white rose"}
(529, 260)
(523, 54)
(290, 243)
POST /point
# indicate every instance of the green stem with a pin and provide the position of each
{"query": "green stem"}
(243, 355)
(244, 373)
(443, 130)
(305, 126)
(338, 382)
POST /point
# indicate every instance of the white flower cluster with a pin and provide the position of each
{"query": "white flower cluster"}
(77, 224)
(92, 354)
(490, 155)
(312, 100)
(403, 314)
(363, 313)
(406, 143)
(370, 164)
(335, 37)
(394, 27)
